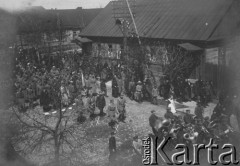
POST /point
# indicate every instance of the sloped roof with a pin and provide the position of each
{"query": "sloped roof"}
(229, 25)
(90, 14)
(167, 19)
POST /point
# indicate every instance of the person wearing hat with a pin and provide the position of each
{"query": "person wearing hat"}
(188, 117)
(138, 92)
(121, 103)
(101, 103)
(152, 119)
(112, 147)
(169, 115)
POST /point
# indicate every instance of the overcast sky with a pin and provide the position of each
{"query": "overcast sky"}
(60, 4)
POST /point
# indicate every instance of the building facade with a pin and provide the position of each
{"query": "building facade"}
(203, 28)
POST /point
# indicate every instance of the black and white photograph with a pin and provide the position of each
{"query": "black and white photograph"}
(119, 82)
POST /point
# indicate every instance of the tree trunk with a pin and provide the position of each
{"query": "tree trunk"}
(57, 150)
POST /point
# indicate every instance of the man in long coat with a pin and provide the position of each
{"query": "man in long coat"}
(101, 103)
(115, 90)
(152, 119)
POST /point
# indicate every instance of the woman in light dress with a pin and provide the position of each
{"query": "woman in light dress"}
(172, 105)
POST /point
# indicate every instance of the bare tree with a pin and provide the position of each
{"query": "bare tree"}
(51, 137)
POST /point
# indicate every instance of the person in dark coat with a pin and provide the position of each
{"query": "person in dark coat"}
(152, 119)
(188, 117)
(103, 87)
(115, 90)
(112, 147)
(169, 115)
(101, 103)
(45, 100)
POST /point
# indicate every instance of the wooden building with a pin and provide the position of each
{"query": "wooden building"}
(205, 27)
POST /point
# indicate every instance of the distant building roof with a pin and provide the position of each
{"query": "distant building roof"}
(198, 20)
(70, 18)
(37, 18)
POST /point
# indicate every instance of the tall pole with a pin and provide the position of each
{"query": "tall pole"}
(134, 23)
(125, 33)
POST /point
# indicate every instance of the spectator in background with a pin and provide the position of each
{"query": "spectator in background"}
(115, 89)
(154, 95)
(121, 104)
(101, 103)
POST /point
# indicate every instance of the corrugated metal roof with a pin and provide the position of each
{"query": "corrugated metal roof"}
(166, 19)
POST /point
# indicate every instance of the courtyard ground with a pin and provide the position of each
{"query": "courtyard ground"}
(136, 124)
(93, 136)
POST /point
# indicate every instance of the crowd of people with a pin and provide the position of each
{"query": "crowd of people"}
(65, 79)
(68, 79)
(38, 77)
(194, 128)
